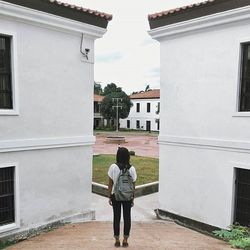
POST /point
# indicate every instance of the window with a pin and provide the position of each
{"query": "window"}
(148, 125)
(7, 208)
(97, 107)
(158, 123)
(128, 123)
(137, 124)
(148, 107)
(5, 73)
(137, 107)
(245, 79)
(242, 197)
(158, 109)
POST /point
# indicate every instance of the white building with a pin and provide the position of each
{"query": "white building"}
(205, 116)
(144, 114)
(46, 127)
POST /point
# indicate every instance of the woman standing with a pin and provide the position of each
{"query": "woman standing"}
(122, 163)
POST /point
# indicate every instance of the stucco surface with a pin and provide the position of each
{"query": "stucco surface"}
(203, 137)
(49, 76)
(143, 116)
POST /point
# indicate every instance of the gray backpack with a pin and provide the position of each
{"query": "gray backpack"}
(124, 186)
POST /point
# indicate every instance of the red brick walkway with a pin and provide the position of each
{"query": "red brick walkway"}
(157, 235)
(143, 145)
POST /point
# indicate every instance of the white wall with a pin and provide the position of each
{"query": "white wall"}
(202, 137)
(53, 183)
(143, 115)
(50, 78)
(50, 137)
(203, 88)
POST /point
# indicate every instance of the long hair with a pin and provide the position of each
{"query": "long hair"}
(123, 158)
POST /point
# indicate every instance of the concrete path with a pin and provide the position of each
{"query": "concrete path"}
(143, 209)
(147, 232)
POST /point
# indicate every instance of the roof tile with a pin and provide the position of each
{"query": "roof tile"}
(78, 8)
(150, 94)
(179, 9)
(98, 98)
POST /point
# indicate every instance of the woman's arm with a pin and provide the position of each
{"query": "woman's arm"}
(110, 186)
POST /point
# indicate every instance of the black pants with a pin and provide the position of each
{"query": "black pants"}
(126, 207)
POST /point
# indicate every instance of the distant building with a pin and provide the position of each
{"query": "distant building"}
(205, 117)
(145, 113)
(98, 118)
(46, 133)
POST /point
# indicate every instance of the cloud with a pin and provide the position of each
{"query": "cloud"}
(154, 72)
(148, 41)
(109, 57)
(126, 54)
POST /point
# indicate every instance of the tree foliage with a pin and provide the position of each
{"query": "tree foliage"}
(111, 88)
(108, 104)
(98, 88)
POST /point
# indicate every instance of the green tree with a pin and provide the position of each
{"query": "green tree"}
(108, 104)
(98, 88)
(111, 88)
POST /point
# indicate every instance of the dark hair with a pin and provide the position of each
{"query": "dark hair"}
(123, 158)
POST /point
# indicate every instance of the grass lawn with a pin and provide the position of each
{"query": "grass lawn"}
(147, 168)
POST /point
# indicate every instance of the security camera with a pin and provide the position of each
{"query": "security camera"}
(87, 50)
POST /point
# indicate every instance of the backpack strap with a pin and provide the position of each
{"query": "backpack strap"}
(126, 168)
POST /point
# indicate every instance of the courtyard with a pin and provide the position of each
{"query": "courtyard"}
(200, 68)
(142, 143)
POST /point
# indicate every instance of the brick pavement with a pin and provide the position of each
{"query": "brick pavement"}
(143, 145)
(157, 235)
(147, 232)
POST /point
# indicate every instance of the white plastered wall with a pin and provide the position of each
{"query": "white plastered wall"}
(203, 137)
(50, 135)
(143, 116)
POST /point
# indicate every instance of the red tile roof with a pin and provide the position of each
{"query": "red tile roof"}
(193, 11)
(150, 94)
(98, 98)
(178, 10)
(81, 9)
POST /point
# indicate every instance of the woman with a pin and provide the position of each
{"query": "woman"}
(122, 162)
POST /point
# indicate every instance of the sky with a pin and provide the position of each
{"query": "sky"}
(126, 55)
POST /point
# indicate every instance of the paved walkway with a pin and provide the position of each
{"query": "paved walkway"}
(147, 232)
(142, 211)
(143, 145)
(147, 235)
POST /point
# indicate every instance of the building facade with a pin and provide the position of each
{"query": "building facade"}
(46, 127)
(205, 91)
(98, 118)
(145, 112)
